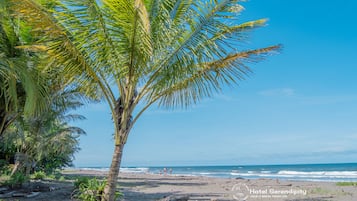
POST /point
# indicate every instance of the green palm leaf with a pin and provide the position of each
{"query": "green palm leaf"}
(170, 52)
(21, 89)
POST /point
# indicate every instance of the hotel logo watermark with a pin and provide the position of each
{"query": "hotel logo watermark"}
(242, 192)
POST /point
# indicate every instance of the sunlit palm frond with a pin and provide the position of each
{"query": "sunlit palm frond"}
(21, 86)
(209, 39)
(63, 48)
(209, 77)
(130, 26)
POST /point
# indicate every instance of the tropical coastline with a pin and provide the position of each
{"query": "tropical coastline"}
(259, 182)
(147, 186)
(212, 183)
(119, 64)
(338, 172)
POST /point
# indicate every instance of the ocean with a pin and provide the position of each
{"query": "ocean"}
(301, 172)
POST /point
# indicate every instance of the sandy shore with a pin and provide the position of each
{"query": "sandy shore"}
(145, 187)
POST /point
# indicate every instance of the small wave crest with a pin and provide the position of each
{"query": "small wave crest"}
(319, 174)
(134, 170)
(95, 169)
(288, 174)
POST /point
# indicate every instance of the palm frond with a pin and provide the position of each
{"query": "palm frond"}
(210, 36)
(129, 22)
(24, 85)
(208, 78)
(173, 52)
(75, 60)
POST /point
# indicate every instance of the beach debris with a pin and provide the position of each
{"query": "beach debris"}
(7, 195)
(32, 194)
(176, 198)
(52, 188)
(19, 194)
(3, 189)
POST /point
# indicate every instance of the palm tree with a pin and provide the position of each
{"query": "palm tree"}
(48, 137)
(172, 53)
(21, 91)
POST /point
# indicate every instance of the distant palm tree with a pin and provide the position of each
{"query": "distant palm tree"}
(169, 52)
(21, 92)
(48, 137)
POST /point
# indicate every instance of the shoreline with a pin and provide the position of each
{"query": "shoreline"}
(234, 175)
(151, 187)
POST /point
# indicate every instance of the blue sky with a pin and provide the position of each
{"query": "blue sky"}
(299, 106)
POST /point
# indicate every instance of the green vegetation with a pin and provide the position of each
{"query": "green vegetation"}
(39, 175)
(35, 106)
(91, 189)
(16, 180)
(324, 191)
(22, 87)
(45, 143)
(320, 191)
(346, 183)
(81, 181)
(132, 54)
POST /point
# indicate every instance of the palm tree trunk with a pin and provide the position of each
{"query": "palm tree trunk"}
(110, 188)
(122, 128)
(2, 121)
(5, 121)
(20, 160)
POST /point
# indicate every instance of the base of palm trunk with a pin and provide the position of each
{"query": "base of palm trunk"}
(110, 189)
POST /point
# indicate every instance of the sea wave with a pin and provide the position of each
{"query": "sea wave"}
(124, 169)
(135, 170)
(322, 174)
(328, 172)
(313, 175)
(95, 169)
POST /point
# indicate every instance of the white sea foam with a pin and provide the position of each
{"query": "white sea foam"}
(96, 169)
(310, 173)
(203, 173)
(319, 174)
(125, 170)
(314, 175)
(253, 174)
(266, 172)
(135, 170)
